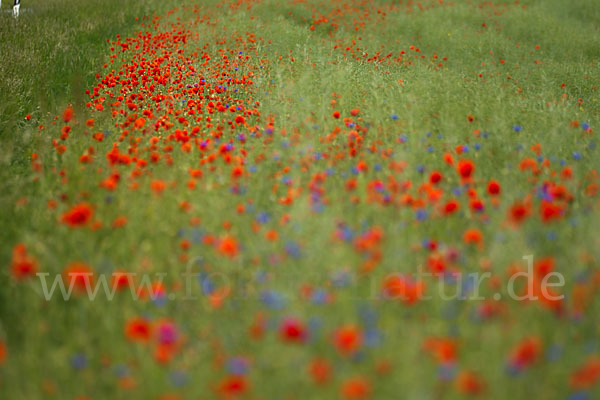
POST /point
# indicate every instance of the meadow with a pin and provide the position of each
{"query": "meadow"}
(260, 199)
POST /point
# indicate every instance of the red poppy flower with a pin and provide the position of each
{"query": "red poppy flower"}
(78, 215)
(348, 339)
(234, 385)
(320, 370)
(587, 375)
(23, 266)
(355, 388)
(79, 275)
(138, 330)
(469, 383)
(435, 177)
(403, 288)
(292, 330)
(493, 188)
(465, 168)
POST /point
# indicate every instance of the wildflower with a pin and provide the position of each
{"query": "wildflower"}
(79, 275)
(68, 114)
(78, 361)
(435, 177)
(2, 352)
(237, 172)
(292, 330)
(257, 328)
(550, 211)
(519, 211)
(443, 349)
(587, 375)
(271, 235)
(473, 236)
(23, 266)
(158, 186)
(493, 188)
(166, 333)
(139, 123)
(234, 385)
(465, 168)
(79, 215)
(476, 205)
(355, 388)
(468, 382)
(448, 159)
(238, 366)
(319, 370)
(543, 266)
(401, 287)
(138, 330)
(120, 280)
(228, 246)
(293, 249)
(348, 339)
(451, 207)
(525, 353)
(119, 222)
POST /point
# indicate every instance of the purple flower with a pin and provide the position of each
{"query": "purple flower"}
(167, 333)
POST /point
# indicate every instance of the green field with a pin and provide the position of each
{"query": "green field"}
(246, 199)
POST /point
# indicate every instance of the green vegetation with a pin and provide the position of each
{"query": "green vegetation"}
(307, 160)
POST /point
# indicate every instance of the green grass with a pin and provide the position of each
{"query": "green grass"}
(549, 78)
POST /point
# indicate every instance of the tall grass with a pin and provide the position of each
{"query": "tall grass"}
(51, 55)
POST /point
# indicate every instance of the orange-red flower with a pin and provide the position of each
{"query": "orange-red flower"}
(138, 330)
(78, 215)
(435, 177)
(121, 280)
(587, 375)
(465, 168)
(526, 353)
(2, 352)
(79, 275)
(23, 266)
(348, 339)
(473, 236)
(469, 383)
(519, 211)
(68, 114)
(228, 246)
(403, 288)
(320, 370)
(451, 207)
(234, 385)
(443, 349)
(292, 331)
(493, 188)
(355, 388)
(158, 186)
